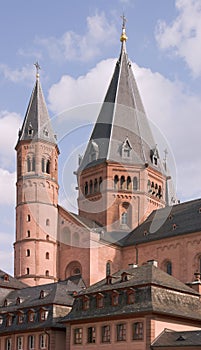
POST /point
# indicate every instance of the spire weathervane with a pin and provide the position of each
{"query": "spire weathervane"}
(37, 69)
(123, 35)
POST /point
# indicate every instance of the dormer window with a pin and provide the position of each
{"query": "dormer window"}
(30, 130)
(115, 298)
(99, 300)
(126, 149)
(31, 314)
(6, 278)
(124, 277)
(45, 132)
(85, 302)
(43, 314)
(5, 302)
(154, 155)
(130, 296)
(9, 320)
(18, 301)
(43, 294)
(20, 317)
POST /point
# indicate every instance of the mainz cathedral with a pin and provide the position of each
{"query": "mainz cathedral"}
(124, 271)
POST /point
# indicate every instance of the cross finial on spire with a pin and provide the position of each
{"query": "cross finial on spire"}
(37, 69)
(124, 20)
(123, 35)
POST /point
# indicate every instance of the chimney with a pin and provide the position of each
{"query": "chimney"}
(152, 262)
(131, 266)
(196, 284)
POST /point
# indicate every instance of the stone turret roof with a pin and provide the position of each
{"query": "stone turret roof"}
(37, 123)
(122, 121)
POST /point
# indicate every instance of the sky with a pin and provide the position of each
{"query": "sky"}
(77, 44)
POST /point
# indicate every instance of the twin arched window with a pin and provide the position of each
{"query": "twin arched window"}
(31, 163)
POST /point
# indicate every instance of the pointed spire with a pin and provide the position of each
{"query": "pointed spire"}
(37, 123)
(122, 117)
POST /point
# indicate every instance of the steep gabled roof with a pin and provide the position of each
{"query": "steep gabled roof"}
(122, 117)
(37, 123)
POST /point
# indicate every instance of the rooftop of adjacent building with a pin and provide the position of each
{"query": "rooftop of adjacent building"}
(169, 339)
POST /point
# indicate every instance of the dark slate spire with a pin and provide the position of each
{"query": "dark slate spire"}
(122, 126)
(37, 123)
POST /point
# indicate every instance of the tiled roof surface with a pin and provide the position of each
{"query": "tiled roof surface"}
(7, 281)
(169, 338)
(155, 291)
(172, 221)
(55, 295)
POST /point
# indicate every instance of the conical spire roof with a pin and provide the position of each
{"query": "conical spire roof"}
(121, 133)
(37, 123)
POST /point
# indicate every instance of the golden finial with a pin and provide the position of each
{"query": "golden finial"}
(37, 69)
(123, 35)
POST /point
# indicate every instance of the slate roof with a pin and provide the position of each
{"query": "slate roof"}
(122, 117)
(60, 294)
(180, 219)
(37, 123)
(155, 292)
(7, 281)
(170, 338)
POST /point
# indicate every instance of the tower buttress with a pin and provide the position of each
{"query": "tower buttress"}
(37, 195)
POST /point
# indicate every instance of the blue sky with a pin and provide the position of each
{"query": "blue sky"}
(76, 44)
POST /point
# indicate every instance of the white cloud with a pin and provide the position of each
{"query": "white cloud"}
(69, 92)
(17, 75)
(72, 46)
(7, 187)
(183, 35)
(9, 123)
(168, 105)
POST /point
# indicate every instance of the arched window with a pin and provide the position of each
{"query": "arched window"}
(28, 252)
(28, 164)
(33, 164)
(48, 167)
(169, 267)
(91, 187)
(28, 233)
(116, 181)
(28, 218)
(100, 183)
(95, 185)
(47, 255)
(135, 183)
(76, 239)
(124, 218)
(86, 188)
(47, 273)
(128, 183)
(47, 238)
(43, 165)
(47, 222)
(27, 270)
(122, 182)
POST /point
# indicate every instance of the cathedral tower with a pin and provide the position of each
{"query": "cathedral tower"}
(121, 177)
(37, 195)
